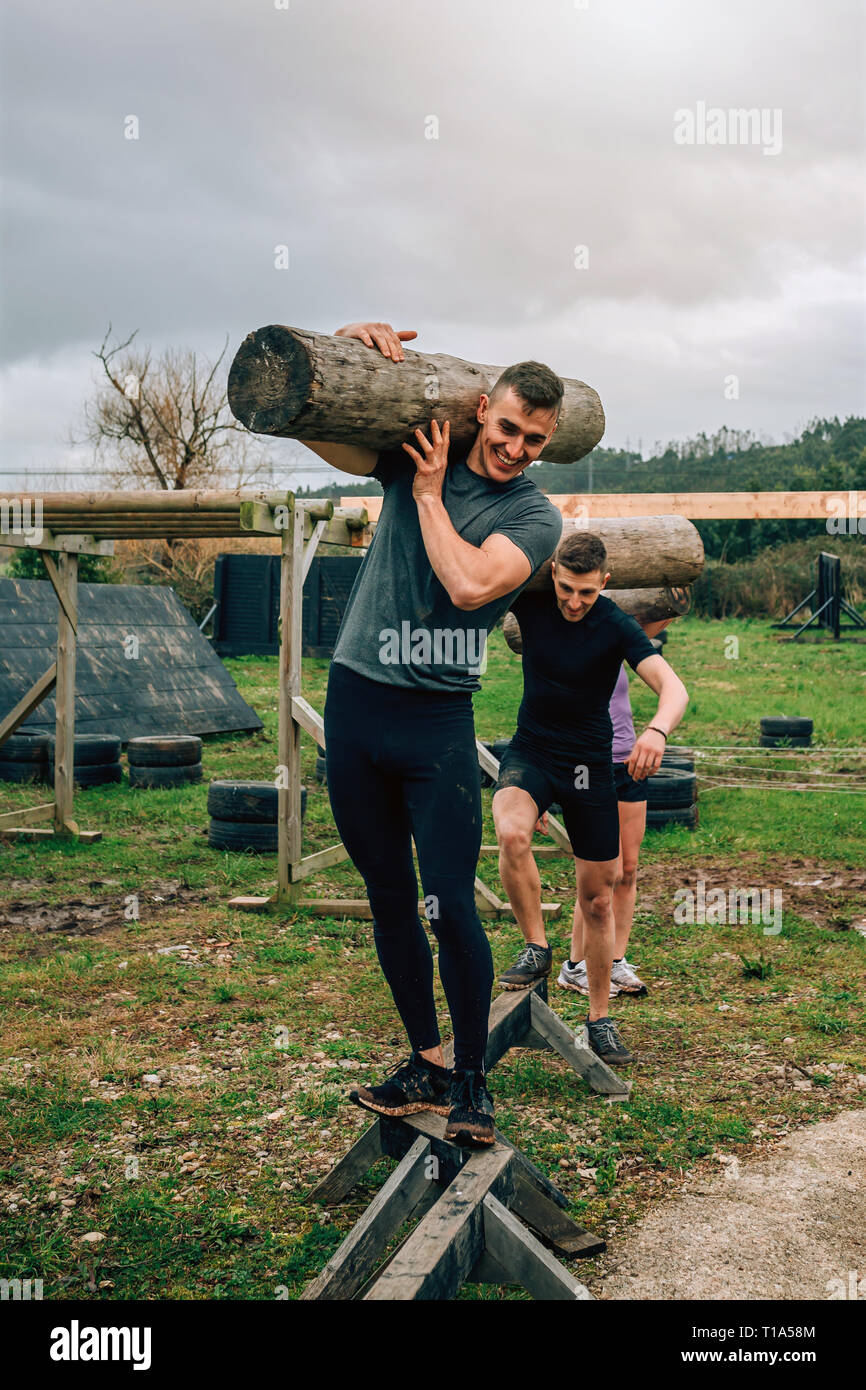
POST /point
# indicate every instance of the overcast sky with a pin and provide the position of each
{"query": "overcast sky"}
(309, 126)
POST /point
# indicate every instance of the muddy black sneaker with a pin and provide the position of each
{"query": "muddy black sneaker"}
(606, 1043)
(470, 1119)
(532, 964)
(412, 1086)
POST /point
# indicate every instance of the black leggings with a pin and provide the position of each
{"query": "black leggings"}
(402, 765)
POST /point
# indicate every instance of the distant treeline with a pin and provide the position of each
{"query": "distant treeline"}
(827, 455)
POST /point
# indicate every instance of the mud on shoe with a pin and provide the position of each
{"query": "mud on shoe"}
(532, 964)
(626, 979)
(470, 1118)
(412, 1086)
(575, 977)
(604, 1040)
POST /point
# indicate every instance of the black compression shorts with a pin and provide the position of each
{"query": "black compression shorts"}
(589, 809)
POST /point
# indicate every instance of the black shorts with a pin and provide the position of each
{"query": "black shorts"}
(589, 812)
(627, 789)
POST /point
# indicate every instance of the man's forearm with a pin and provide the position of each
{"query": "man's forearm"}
(461, 568)
(671, 708)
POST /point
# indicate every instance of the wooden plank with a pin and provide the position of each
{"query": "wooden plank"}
(397, 1135)
(420, 1209)
(697, 506)
(525, 1258)
(352, 1262)
(350, 1169)
(311, 547)
(596, 1073)
(309, 719)
(27, 704)
(550, 1222)
(486, 901)
(322, 859)
(29, 816)
(28, 832)
(445, 1246)
(289, 733)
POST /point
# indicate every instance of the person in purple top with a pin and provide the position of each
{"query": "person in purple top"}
(631, 804)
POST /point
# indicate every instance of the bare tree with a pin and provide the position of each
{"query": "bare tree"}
(166, 423)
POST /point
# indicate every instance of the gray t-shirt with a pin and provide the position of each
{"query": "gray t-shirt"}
(400, 627)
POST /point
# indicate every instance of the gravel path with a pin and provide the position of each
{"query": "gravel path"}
(778, 1227)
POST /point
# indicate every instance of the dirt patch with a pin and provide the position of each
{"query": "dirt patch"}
(829, 897)
(87, 916)
(785, 1226)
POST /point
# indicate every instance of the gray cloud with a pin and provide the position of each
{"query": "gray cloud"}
(306, 127)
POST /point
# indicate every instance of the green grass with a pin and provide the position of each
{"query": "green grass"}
(256, 1038)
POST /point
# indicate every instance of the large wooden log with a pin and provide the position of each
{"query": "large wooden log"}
(647, 605)
(302, 385)
(642, 552)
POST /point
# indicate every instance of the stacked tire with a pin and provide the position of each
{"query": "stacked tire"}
(672, 793)
(24, 758)
(243, 816)
(164, 761)
(95, 759)
(781, 731)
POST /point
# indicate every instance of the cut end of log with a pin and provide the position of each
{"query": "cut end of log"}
(270, 379)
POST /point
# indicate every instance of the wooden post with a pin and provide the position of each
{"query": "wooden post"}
(66, 585)
(289, 743)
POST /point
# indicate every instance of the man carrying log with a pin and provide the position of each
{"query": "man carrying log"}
(574, 642)
(456, 540)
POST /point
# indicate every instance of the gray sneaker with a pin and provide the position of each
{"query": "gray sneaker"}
(575, 977)
(604, 1040)
(626, 979)
(532, 964)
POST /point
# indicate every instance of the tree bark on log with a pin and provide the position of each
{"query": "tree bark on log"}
(302, 385)
(646, 605)
(642, 552)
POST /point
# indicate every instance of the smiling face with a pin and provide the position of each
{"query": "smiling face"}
(512, 435)
(576, 593)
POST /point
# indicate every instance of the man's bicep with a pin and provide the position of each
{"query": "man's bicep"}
(510, 565)
(652, 671)
(348, 458)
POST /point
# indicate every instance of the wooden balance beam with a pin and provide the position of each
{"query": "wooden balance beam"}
(472, 1207)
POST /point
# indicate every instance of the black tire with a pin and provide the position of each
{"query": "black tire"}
(23, 772)
(671, 815)
(498, 747)
(804, 741)
(179, 776)
(253, 803)
(91, 750)
(321, 769)
(657, 643)
(677, 763)
(779, 726)
(24, 748)
(662, 636)
(92, 774)
(178, 750)
(671, 787)
(253, 837)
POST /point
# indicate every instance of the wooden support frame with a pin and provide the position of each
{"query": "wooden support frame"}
(482, 1216)
(60, 676)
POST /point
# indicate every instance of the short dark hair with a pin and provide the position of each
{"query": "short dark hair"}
(536, 385)
(581, 552)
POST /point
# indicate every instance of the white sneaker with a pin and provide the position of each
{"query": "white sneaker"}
(575, 977)
(624, 977)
